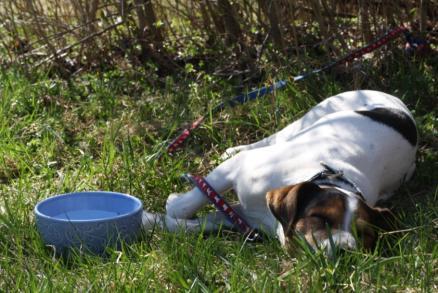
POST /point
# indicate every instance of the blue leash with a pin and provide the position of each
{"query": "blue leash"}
(253, 95)
(243, 98)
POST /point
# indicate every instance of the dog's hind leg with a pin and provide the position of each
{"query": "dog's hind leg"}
(283, 135)
(328, 106)
(237, 149)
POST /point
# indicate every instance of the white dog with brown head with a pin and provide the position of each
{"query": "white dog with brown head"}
(318, 178)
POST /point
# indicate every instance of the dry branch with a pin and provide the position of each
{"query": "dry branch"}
(82, 41)
(228, 31)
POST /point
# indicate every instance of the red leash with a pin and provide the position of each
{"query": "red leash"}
(176, 143)
(223, 206)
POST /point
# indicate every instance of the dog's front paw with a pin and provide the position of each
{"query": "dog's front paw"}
(176, 207)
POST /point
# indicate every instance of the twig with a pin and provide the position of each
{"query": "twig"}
(262, 48)
(407, 230)
(68, 30)
(84, 40)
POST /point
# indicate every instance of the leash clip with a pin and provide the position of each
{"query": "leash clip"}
(253, 236)
(329, 171)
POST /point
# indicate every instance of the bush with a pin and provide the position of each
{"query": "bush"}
(72, 36)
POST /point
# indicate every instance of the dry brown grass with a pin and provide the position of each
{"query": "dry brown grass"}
(75, 35)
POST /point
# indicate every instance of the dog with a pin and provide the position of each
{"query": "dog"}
(319, 178)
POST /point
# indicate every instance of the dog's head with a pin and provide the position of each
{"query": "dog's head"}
(326, 215)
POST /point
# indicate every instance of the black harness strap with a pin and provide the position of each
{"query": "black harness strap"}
(337, 178)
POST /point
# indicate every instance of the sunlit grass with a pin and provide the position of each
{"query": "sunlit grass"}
(101, 132)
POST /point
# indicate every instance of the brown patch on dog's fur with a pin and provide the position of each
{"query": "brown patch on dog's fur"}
(369, 221)
(288, 202)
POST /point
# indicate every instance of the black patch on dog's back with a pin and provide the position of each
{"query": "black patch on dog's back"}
(396, 119)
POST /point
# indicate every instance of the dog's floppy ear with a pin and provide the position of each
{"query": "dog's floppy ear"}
(288, 202)
(384, 219)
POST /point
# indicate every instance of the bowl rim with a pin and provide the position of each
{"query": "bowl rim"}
(38, 213)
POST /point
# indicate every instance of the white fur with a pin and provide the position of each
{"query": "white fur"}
(375, 157)
(352, 204)
(341, 239)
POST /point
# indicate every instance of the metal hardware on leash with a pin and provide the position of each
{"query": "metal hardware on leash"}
(223, 206)
(243, 98)
(330, 173)
(327, 173)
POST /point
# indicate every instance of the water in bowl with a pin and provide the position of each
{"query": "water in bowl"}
(86, 215)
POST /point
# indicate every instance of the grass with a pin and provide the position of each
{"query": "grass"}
(103, 130)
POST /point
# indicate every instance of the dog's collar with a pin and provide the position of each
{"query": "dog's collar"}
(332, 177)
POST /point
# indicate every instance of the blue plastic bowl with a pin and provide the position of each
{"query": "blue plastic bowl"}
(90, 221)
